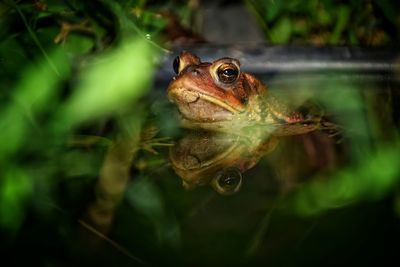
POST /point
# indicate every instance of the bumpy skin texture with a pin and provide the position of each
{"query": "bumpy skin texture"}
(218, 95)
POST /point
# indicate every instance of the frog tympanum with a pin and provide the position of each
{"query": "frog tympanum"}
(218, 97)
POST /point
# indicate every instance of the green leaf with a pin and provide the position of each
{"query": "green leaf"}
(147, 199)
(390, 10)
(31, 97)
(15, 188)
(110, 83)
(323, 17)
(371, 179)
(273, 9)
(342, 21)
(282, 31)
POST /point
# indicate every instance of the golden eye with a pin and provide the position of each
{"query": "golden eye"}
(175, 64)
(228, 73)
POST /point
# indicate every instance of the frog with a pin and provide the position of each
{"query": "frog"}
(218, 96)
(238, 122)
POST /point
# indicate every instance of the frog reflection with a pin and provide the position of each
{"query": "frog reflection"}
(218, 159)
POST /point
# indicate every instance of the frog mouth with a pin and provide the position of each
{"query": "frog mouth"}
(197, 106)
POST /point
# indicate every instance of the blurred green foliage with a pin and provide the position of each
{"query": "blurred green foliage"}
(112, 82)
(56, 79)
(364, 113)
(67, 67)
(376, 175)
(322, 22)
(146, 198)
(15, 189)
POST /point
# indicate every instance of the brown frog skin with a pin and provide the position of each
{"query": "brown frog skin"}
(218, 96)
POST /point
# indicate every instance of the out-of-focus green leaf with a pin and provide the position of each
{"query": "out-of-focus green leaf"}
(353, 38)
(273, 9)
(30, 98)
(15, 188)
(371, 179)
(343, 100)
(282, 30)
(343, 14)
(295, 5)
(323, 17)
(397, 203)
(330, 22)
(111, 82)
(153, 22)
(77, 44)
(11, 60)
(146, 198)
(32, 34)
(300, 27)
(390, 10)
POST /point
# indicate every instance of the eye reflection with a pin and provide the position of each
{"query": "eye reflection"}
(228, 181)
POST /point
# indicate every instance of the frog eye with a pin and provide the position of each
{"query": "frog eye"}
(228, 181)
(175, 64)
(228, 73)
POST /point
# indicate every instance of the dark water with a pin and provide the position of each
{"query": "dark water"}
(317, 199)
